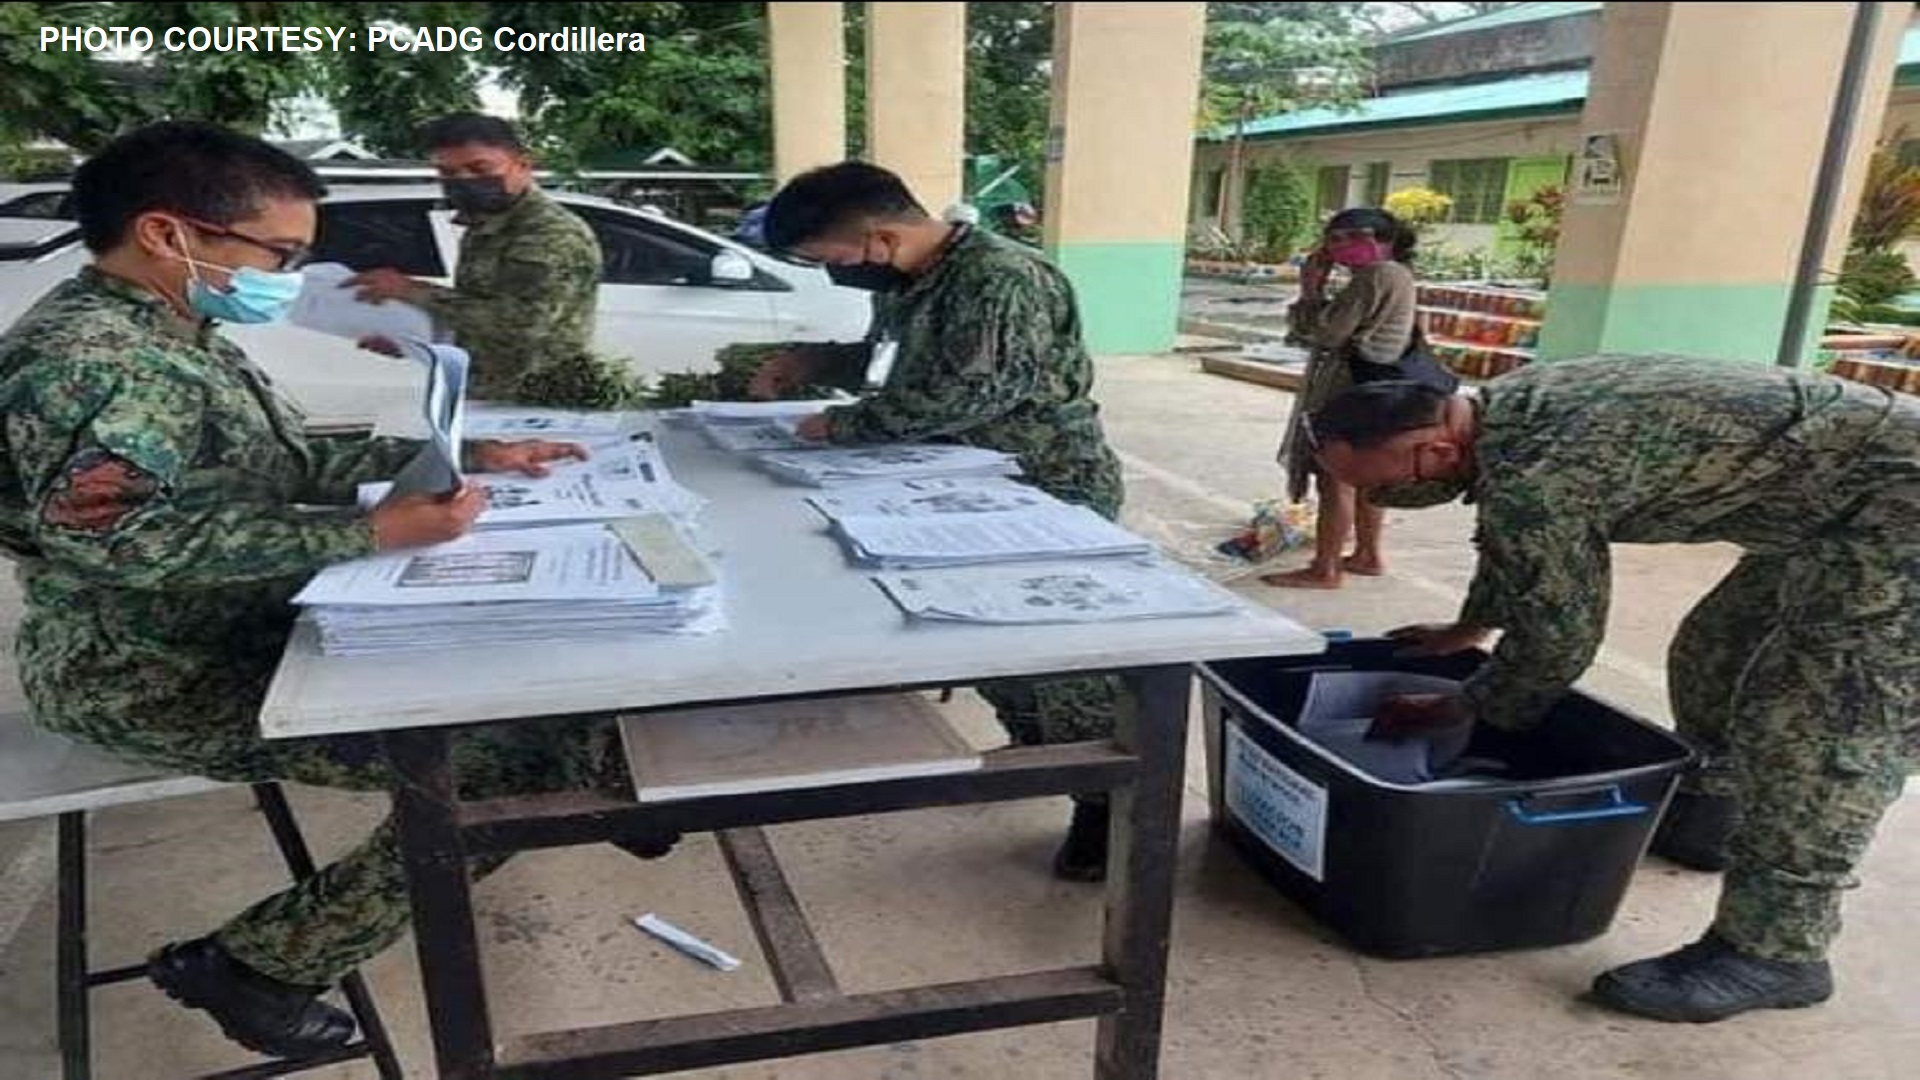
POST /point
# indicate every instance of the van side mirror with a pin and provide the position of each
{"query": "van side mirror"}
(730, 268)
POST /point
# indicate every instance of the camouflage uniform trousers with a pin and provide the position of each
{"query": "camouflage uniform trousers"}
(322, 928)
(1798, 678)
(1043, 712)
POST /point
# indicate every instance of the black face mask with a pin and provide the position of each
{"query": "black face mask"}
(871, 276)
(478, 194)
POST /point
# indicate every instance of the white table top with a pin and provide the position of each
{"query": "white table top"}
(802, 620)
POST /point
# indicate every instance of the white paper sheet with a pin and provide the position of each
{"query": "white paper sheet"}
(623, 478)
(722, 411)
(436, 470)
(324, 305)
(825, 468)
(962, 539)
(759, 436)
(507, 422)
(569, 562)
(1340, 708)
(931, 498)
(1032, 595)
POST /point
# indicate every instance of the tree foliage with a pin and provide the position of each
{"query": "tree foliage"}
(1263, 59)
(1277, 212)
(702, 86)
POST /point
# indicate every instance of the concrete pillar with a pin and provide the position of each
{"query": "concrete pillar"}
(1126, 81)
(809, 68)
(1720, 113)
(916, 96)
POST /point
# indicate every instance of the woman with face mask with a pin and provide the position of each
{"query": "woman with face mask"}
(1370, 321)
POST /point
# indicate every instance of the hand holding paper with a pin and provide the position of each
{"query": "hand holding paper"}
(812, 428)
(379, 286)
(1418, 716)
(406, 521)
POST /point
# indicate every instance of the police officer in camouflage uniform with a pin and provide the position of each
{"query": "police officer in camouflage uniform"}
(528, 279)
(1798, 675)
(981, 340)
(162, 505)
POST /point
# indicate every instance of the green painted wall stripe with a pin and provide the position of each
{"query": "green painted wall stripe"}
(1729, 322)
(1129, 293)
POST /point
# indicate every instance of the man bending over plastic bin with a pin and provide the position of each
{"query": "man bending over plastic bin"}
(1797, 676)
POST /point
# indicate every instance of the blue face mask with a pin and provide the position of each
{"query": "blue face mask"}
(251, 296)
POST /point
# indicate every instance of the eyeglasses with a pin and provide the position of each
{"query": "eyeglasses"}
(290, 256)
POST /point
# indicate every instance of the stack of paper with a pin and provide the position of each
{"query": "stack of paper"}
(827, 468)
(1031, 595)
(621, 478)
(1339, 711)
(708, 412)
(507, 422)
(1049, 532)
(737, 749)
(501, 588)
(758, 436)
(436, 469)
(931, 498)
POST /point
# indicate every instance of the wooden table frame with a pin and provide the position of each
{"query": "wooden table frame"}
(1142, 767)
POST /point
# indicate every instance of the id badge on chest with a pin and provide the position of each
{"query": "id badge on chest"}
(880, 368)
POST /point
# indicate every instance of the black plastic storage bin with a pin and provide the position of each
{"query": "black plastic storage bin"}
(1541, 860)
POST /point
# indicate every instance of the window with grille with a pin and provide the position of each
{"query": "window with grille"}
(1477, 186)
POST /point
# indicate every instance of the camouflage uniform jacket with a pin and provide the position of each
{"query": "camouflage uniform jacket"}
(989, 354)
(162, 506)
(523, 295)
(1575, 455)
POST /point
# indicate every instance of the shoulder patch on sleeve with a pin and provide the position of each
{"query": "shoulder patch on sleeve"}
(96, 491)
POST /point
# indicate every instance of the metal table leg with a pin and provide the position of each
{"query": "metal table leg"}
(427, 821)
(1140, 871)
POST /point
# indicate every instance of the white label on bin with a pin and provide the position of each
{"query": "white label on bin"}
(1278, 805)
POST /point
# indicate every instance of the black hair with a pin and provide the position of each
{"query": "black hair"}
(1370, 414)
(471, 129)
(194, 169)
(1384, 227)
(831, 197)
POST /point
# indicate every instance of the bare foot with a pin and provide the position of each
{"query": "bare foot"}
(1364, 565)
(1306, 578)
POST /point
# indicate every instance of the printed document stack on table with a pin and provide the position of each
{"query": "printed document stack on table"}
(1006, 549)
(511, 586)
(875, 464)
(757, 427)
(595, 548)
(623, 476)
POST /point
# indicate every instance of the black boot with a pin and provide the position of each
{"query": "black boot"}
(648, 845)
(1084, 855)
(262, 1014)
(1711, 980)
(1694, 831)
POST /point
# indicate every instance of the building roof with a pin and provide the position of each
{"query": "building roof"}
(1492, 20)
(324, 149)
(1548, 94)
(1528, 95)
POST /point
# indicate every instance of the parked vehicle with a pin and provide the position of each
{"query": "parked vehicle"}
(671, 296)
